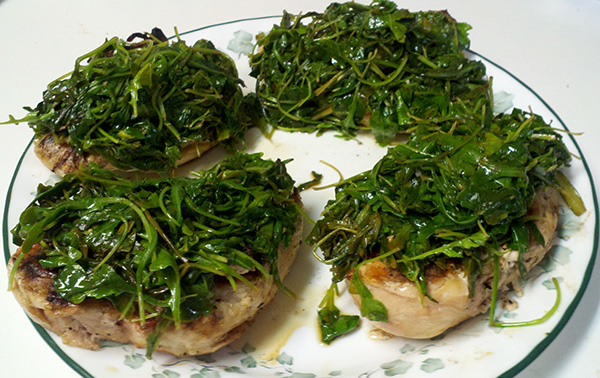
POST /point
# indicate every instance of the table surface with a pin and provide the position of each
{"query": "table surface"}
(552, 45)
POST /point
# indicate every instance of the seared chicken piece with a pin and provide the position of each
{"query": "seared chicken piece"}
(88, 323)
(411, 316)
(62, 158)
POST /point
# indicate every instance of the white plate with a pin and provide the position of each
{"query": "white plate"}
(284, 340)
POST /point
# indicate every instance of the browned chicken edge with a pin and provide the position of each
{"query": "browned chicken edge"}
(89, 323)
(62, 158)
(411, 315)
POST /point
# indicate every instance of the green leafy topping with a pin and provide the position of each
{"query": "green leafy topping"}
(138, 103)
(331, 322)
(156, 247)
(370, 308)
(454, 193)
(373, 67)
(317, 177)
(570, 194)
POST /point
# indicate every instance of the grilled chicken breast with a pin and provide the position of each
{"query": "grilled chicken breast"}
(87, 324)
(62, 158)
(411, 316)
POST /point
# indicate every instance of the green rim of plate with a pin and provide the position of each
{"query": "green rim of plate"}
(538, 349)
(5, 236)
(528, 359)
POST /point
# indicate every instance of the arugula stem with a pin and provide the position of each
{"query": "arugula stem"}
(151, 239)
(569, 194)
(115, 248)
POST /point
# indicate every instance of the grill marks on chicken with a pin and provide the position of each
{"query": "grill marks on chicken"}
(411, 316)
(87, 324)
(63, 158)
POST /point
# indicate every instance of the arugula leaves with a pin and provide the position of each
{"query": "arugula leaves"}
(138, 103)
(461, 184)
(454, 192)
(373, 67)
(331, 323)
(155, 248)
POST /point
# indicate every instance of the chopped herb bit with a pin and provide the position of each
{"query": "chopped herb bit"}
(370, 307)
(334, 325)
(317, 177)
